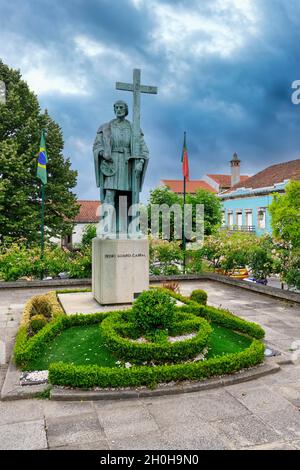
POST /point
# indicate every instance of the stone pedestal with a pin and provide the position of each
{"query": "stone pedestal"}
(120, 270)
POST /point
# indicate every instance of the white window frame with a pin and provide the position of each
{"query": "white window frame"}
(237, 213)
(247, 212)
(262, 224)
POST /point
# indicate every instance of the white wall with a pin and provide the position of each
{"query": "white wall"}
(77, 232)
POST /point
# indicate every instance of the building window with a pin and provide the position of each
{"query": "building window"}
(230, 219)
(262, 218)
(249, 218)
(239, 218)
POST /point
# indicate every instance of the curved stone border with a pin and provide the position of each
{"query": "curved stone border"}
(75, 394)
(12, 390)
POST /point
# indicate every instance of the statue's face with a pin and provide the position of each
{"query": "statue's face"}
(120, 110)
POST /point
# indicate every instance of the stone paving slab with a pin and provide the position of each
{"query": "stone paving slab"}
(84, 302)
(29, 435)
(54, 409)
(195, 436)
(98, 445)
(285, 421)
(74, 429)
(16, 411)
(134, 420)
(142, 441)
(246, 430)
(259, 399)
(207, 406)
(273, 446)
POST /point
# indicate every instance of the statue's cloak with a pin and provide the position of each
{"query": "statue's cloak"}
(103, 144)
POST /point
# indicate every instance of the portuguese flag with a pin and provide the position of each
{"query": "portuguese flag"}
(185, 160)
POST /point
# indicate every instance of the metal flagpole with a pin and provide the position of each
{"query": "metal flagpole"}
(183, 225)
(42, 229)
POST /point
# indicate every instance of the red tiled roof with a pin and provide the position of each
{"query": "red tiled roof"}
(191, 186)
(88, 212)
(225, 180)
(272, 175)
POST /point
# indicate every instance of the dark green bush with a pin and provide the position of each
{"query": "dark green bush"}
(153, 309)
(91, 376)
(37, 322)
(199, 296)
(159, 351)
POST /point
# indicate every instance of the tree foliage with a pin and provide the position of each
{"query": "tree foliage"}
(21, 123)
(285, 212)
(212, 207)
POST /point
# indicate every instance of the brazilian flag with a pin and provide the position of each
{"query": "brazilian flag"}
(42, 160)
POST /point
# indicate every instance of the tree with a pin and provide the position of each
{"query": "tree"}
(285, 212)
(212, 206)
(21, 124)
(212, 209)
(89, 232)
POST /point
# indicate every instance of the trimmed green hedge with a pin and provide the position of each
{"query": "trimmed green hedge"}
(226, 319)
(112, 329)
(92, 376)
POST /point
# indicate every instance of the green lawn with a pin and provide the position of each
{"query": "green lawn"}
(223, 341)
(80, 345)
(83, 345)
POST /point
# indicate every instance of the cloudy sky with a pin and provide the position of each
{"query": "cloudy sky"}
(224, 70)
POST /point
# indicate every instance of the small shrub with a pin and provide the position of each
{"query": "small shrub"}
(199, 296)
(153, 309)
(41, 306)
(37, 322)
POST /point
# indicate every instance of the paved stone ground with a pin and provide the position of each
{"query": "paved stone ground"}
(261, 414)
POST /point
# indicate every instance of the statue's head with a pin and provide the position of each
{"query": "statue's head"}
(120, 104)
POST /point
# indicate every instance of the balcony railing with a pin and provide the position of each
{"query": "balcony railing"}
(239, 228)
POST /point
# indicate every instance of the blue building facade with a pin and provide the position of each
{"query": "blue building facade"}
(246, 209)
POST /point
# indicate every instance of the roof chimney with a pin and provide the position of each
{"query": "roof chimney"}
(235, 170)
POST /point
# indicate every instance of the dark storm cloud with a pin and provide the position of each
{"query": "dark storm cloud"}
(224, 71)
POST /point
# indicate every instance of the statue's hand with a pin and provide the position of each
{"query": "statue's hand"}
(107, 158)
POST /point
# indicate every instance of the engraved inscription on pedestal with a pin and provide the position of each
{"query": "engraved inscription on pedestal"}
(120, 270)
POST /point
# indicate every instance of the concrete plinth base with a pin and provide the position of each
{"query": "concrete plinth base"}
(120, 270)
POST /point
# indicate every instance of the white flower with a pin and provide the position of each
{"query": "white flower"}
(127, 365)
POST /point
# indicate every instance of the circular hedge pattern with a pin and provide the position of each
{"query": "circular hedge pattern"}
(153, 309)
(119, 335)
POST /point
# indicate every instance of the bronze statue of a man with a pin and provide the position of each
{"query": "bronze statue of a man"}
(117, 172)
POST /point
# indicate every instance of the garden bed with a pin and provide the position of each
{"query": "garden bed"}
(72, 349)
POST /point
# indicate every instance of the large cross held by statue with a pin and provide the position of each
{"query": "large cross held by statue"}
(136, 88)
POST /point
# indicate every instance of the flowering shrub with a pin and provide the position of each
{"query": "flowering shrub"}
(18, 261)
(165, 257)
